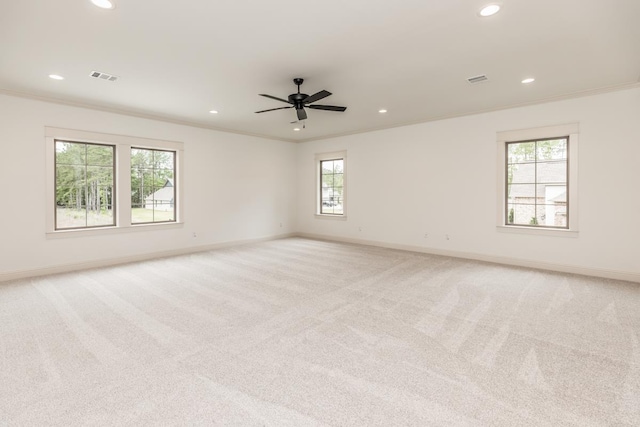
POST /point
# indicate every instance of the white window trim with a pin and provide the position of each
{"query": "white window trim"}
(122, 180)
(570, 130)
(331, 156)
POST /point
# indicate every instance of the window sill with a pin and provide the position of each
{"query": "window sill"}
(103, 231)
(331, 217)
(537, 231)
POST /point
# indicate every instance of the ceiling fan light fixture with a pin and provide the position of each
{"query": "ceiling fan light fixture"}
(296, 129)
(104, 4)
(489, 10)
(56, 77)
(213, 112)
(528, 80)
(382, 111)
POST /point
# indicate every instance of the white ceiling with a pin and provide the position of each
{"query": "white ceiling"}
(179, 59)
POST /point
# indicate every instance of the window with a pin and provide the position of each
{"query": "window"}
(538, 183)
(84, 185)
(100, 183)
(153, 189)
(537, 177)
(331, 196)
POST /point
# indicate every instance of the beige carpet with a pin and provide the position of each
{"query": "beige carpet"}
(300, 332)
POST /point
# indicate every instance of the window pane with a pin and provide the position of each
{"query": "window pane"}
(553, 149)
(71, 217)
(328, 180)
(552, 172)
(519, 192)
(140, 214)
(70, 153)
(338, 166)
(327, 167)
(520, 214)
(524, 173)
(163, 160)
(554, 215)
(163, 214)
(69, 176)
(163, 178)
(100, 209)
(327, 206)
(99, 175)
(555, 194)
(338, 179)
(99, 155)
(519, 152)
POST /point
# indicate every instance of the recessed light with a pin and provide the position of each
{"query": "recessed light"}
(296, 129)
(213, 112)
(529, 80)
(382, 111)
(490, 9)
(55, 77)
(104, 4)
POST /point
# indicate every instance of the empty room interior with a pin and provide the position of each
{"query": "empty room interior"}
(327, 213)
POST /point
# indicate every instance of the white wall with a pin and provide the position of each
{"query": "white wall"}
(440, 178)
(235, 188)
(437, 178)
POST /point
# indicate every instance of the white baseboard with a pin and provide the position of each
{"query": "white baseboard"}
(65, 268)
(573, 269)
(607, 274)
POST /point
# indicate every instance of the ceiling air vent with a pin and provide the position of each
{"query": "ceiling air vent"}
(104, 76)
(477, 79)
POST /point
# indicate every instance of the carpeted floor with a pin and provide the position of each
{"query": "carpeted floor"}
(299, 332)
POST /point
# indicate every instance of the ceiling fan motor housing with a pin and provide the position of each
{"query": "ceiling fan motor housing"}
(301, 100)
(297, 99)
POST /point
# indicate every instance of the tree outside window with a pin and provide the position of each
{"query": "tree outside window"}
(84, 185)
(153, 192)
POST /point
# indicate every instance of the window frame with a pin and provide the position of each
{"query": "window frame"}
(55, 185)
(568, 131)
(175, 183)
(122, 180)
(319, 158)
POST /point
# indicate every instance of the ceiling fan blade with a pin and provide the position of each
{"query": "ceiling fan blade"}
(275, 97)
(273, 109)
(327, 107)
(302, 115)
(316, 97)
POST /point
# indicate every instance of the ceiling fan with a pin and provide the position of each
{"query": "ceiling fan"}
(301, 100)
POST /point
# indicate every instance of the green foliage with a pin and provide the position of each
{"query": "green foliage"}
(511, 217)
(533, 221)
(84, 176)
(150, 170)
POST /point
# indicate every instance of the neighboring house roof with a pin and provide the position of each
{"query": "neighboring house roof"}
(165, 193)
(553, 173)
(560, 197)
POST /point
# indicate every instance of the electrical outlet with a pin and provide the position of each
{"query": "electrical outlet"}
(194, 235)
(426, 235)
